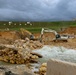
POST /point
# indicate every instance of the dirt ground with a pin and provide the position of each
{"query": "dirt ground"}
(70, 30)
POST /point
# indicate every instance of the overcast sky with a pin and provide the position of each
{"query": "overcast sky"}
(37, 10)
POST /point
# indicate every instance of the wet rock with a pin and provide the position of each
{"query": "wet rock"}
(39, 55)
(15, 70)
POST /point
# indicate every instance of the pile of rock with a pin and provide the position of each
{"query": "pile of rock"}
(43, 69)
(34, 45)
(29, 44)
(20, 51)
(25, 33)
(16, 56)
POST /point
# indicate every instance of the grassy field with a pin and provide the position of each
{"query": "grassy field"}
(36, 26)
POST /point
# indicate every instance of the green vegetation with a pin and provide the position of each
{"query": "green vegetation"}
(36, 26)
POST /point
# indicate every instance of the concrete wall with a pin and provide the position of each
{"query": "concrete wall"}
(57, 67)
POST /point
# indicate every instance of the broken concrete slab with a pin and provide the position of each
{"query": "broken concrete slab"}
(58, 67)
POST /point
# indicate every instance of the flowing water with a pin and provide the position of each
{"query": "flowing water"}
(61, 53)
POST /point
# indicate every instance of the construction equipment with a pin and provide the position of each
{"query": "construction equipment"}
(57, 36)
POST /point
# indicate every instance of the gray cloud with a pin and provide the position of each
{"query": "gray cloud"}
(37, 10)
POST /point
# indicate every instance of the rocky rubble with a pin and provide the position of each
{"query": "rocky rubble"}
(13, 56)
(5, 41)
(24, 33)
(38, 69)
(42, 70)
(17, 54)
(27, 44)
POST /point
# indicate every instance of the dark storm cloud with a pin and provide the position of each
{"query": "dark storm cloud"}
(37, 10)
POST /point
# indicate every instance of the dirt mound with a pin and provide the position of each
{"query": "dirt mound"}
(5, 41)
(25, 33)
(28, 44)
(72, 40)
(48, 37)
(70, 30)
(37, 35)
(12, 35)
(8, 37)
